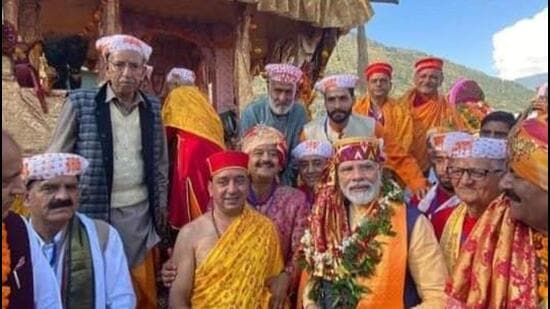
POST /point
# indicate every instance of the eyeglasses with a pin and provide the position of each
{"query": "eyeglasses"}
(476, 174)
(119, 66)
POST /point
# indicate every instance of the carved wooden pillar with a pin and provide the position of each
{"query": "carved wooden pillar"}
(111, 20)
(10, 12)
(243, 79)
(29, 22)
(111, 23)
(362, 58)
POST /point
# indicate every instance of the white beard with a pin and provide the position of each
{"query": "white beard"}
(363, 197)
(280, 111)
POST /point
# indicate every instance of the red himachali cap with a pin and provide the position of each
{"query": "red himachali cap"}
(225, 160)
(378, 67)
(428, 63)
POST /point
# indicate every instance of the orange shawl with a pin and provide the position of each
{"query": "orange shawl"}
(497, 267)
(434, 113)
(397, 132)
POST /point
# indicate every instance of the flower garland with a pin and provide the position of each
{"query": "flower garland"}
(358, 255)
(6, 267)
(472, 113)
(541, 246)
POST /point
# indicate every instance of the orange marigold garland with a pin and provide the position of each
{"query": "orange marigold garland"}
(6, 267)
(541, 246)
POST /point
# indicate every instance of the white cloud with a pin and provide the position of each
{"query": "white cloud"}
(522, 49)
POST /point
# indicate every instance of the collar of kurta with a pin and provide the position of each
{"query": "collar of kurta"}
(110, 96)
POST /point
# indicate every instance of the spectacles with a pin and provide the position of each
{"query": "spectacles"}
(476, 174)
(119, 66)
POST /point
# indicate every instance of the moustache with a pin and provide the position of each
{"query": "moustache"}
(339, 111)
(56, 204)
(512, 196)
(266, 164)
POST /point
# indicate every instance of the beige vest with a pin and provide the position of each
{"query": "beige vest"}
(358, 126)
(129, 186)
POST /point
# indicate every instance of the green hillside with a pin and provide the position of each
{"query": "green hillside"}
(500, 94)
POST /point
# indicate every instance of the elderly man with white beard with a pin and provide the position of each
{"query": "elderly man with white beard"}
(365, 248)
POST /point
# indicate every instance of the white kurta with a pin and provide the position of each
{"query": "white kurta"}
(113, 286)
(45, 297)
(358, 126)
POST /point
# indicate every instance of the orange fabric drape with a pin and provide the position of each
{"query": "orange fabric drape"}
(387, 285)
(397, 132)
(497, 267)
(434, 113)
(145, 282)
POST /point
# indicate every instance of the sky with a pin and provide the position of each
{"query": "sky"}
(503, 38)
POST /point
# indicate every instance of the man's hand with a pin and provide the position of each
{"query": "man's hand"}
(169, 271)
(419, 194)
(279, 290)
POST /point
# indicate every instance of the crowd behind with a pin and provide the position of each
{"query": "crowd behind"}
(422, 201)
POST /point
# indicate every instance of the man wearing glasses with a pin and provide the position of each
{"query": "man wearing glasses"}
(475, 169)
(118, 129)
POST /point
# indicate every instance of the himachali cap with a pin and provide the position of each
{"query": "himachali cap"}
(50, 165)
(224, 160)
(117, 42)
(444, 142)
(182, 75)
(480, 148)
(346, 81)
(284, 73)
(378, 67)
(528, 151)
(313, 148)
(428, 63)
(260, 135)
(358, 149)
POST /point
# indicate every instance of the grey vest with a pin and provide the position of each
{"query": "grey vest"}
(94, 141)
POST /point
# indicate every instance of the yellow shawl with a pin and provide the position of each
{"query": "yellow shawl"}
(187, 109)
(451, 236)
(235, 272)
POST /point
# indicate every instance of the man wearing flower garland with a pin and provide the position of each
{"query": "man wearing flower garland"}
(394, 124)
(341, 122)
(26, 280)
(513, 232)
(365, 248)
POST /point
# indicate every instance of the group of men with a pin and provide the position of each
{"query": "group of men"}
(426, 201)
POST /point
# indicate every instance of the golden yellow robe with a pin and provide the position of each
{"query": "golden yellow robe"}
(397, 132)
(434, 113)
(235, 272)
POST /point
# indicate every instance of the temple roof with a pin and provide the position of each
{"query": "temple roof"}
(321, 13)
